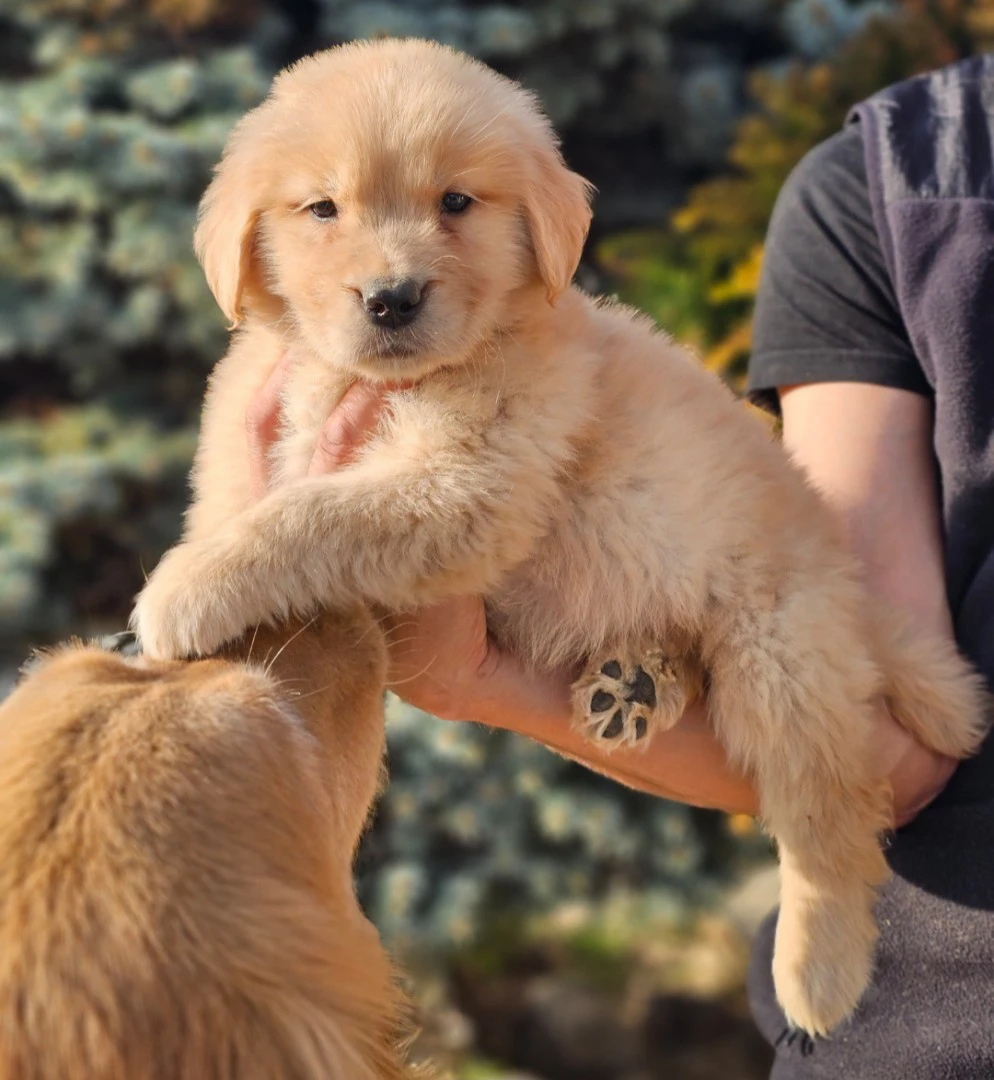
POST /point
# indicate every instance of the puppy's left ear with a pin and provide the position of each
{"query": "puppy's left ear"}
(557, 209)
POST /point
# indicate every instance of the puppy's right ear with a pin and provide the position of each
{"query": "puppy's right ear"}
(225, 236)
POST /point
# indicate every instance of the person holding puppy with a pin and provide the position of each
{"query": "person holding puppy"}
(873, 317)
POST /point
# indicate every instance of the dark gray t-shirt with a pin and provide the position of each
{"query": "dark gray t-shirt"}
(827, 311)
(837, 305)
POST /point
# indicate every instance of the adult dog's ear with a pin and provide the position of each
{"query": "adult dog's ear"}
(557, 209)
(225, 237)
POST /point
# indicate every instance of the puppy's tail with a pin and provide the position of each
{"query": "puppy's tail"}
(931, 690)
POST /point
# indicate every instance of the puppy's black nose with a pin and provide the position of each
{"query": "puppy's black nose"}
(394, 304)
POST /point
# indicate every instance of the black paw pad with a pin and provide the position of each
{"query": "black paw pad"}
(612, 669)
(614, 726)
(643, 691)
(601, 701)
(641, 727)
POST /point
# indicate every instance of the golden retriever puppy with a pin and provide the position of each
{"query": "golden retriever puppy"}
(176, 841)
(398, 212)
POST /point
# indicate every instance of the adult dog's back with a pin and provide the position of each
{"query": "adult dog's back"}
(176, 841)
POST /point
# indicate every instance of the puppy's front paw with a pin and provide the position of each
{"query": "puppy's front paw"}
(189, 606)
(625, 699)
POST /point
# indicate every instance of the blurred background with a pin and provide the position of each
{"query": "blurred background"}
(558, 926)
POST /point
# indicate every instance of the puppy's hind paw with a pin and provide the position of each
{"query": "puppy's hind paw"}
(624, 700)
(823, 955)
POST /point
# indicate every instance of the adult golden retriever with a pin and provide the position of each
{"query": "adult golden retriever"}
(176, 842)
(398, 212)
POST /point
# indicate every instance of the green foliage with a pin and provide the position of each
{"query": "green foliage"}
(480, 1069)
(704, 268)
(108, 133)
(119, 20)
(83, 462)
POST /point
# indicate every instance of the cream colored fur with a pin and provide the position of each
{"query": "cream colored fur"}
(558, 454)
(176, 843)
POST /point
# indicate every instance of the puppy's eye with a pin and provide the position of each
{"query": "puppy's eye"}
(454, 203)
(323, 210)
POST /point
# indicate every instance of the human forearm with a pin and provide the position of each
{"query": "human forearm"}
(868, 450)
(686, 763)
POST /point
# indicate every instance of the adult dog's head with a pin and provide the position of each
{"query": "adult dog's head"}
(176, 843)
(389, 201)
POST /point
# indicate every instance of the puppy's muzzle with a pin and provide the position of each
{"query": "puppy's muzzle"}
(394, 304)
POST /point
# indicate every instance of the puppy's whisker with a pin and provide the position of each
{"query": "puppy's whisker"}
(417, 675)
(290, 640)
(255, 634)
(287, 680)
(462, 172)
(443, 258)
(284, 686)
(390, 636)
(402, 641)
(377, 624)
(311, 693)
(503, 359)
(428, 675)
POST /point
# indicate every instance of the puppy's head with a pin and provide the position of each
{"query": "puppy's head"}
(390, 200)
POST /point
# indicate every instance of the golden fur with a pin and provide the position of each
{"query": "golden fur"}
(176, 843)
(613, 502)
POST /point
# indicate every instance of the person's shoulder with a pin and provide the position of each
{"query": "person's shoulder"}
(831, 174)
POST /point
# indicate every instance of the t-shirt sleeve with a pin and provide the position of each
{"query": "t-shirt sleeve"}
(826, 309)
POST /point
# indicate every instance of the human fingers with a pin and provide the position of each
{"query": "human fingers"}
(347, 428)
(262, 423)
(916, 775)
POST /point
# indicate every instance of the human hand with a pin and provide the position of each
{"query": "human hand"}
(916, 775)
(344, 432)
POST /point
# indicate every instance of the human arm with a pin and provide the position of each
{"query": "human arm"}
(831, 351)
(868, 450)
(443, 661)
